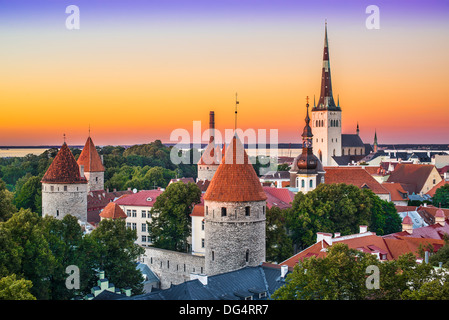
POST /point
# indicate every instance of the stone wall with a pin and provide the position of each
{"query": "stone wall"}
(59, 200)
(95, 180)
(234, 240)
(206, 172)
(172, 267)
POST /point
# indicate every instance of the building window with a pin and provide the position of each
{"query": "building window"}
(134, 213)
(247, 211)
(96, 179)
(202, 225)
(213, 256)
(52, 188)
(144, 227)
(128, 213)
(247, 255)
(311, 184)
(57, 213)
(144, 238)
(144, 213)
(207, 210)
(223, 212)
(263, 210)
(65, 188)
(128, 224)
(134, 226)
(303, 184)
(202, 243)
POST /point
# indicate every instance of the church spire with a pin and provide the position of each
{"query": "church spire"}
(326, 100)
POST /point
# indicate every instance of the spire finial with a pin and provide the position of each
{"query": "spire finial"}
(63, 137)
(89, 130)
(236, 103)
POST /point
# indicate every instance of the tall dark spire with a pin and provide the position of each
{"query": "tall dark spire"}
(326, 100)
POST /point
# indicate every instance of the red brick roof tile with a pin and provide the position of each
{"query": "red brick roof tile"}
(235, 179)
(64, 169)
(90, 158)
(113, 211)
(357, 176)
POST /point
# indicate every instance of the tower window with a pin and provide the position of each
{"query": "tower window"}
(247, 211)
(65, 188)
(223, 212)
(213, 256)
(57, 213)
(302, 183)
(311, 184)
(247, 255)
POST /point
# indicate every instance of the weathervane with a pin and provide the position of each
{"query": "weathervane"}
(236, 103)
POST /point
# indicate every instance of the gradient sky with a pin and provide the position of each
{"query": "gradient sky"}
(137, 70)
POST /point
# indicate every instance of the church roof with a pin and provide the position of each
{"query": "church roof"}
(235, 178)
(63, 169)
(90, 158)
(351, 140)
(112, 211)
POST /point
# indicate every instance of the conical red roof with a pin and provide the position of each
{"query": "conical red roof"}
(113, 211)
(64, 168)
(90, 158)
(235, 179)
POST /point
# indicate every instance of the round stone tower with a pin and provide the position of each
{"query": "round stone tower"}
(92, 166)
(235, 214)
(64, 187)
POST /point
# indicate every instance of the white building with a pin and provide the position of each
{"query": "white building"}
(138, 207)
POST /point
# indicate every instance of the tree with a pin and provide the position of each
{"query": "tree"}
(12, 288)
(441, 196)
(170, 224)
(7, 207)
(337, 208)
(112, 247)
(343, 274)
(279, 246)
(29, 194)
(26, 231)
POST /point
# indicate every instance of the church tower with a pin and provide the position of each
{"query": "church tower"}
(64, 187)
(326, 115)
(93, 167)
(307, 171)
(235, 214)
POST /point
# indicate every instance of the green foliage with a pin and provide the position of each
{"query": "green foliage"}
(441, 196)
(7, 207)
(279, 246)
(338, 208)
(113, 250)
(171, 224)
(343, 275)
(12, 288)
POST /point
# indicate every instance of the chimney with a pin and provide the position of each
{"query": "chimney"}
(324, 236)
(284, 270)
(407, 224)
(363, 229)
(212, 126)
(337, 234)
(82, 170)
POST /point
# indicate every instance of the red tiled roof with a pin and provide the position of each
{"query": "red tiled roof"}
(235, 179)
(144, 198)
(198, 209)
(396, 191)
(113, 211)
(279, 197)
(63, 169)
(411, 176)
(90, 158)
(432, 191)
(405, 208)
(357, 176)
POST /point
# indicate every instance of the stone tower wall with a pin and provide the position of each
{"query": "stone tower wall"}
(95, 180)
(235, 240)
(59, 200)
(326, 138)
(206, 172)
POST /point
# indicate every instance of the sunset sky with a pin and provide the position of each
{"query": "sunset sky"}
(137, 70)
